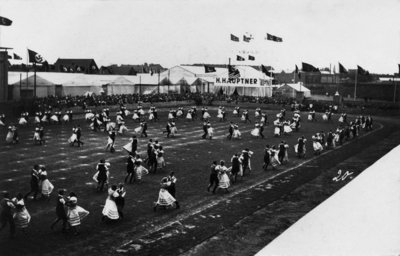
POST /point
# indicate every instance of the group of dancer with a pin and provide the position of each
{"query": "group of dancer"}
(221, 176)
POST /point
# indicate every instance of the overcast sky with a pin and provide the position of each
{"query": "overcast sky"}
(172, 32)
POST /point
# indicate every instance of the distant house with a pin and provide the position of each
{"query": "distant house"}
(87, 66)
(294, 90)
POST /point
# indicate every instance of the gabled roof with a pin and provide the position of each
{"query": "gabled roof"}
(298, 87)
(88, 64)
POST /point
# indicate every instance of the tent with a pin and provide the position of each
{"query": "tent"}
(293, 90)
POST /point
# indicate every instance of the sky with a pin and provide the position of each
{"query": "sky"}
(173, 32)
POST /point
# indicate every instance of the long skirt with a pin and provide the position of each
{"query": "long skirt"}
(236, 134)
(151, 116)
(36, 136)
(255, 132)
(54, 118)
(174, 131)
(170, 116)
(138, 129)
(224, 181)
(89, 116)
(75, 215)
(47, 187)
(9, 137)
(210, 132)
(122, 129)
(275, 161)
(22, 121)
(66, 118)
(165, 198)
(37, 120)
(110, 126)
(189, 116)
(277, 131)
(317, 146)
(324, 117)
(110, 210)
(206, 115)
(22, 218)
(287, 129)
(135, 116)
(73, 138)
(310, 117)
(161, 161)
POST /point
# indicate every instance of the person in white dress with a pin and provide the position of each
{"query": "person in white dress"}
(174, 130)
(47, 186)
(160, 157)
(206, 115)
(139, 170)
(189, 115)
(317, 146)
(36, 135)
(110, 210)
(122, 129)
(22, 120)
(277, 129)
(2, 120)
(286, 128)
(165, 199)
(223, 177)
(274, 157)
(135, 115)
(256, 131)
(10, 135)
(210, 130)
(75, 213)
(236, 133)
(21, 216)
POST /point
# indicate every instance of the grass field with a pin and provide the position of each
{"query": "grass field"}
(72, 168)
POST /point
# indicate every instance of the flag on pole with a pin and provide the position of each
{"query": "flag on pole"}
(247, 38)
(297, 72)
(5, 22)
(342, 70)
(209, 69)
(16, 57)
(234, 38)
(362, 71)
(273, 38)
(308, 68)
(239, 58)
(35, 57)
(264, 69)
(233, 72)
(252, 57)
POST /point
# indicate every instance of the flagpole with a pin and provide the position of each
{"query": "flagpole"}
(355, 85)
(158, 81)
(34, 80)
(395, 88)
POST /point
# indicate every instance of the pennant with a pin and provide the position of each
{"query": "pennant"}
(239, 58)
(233, 72)
(297, 71)
(308, 68)
(362, 71)
(5, 21)
(234, 38)
(252, 57)
(209, 69)
(246, 38)
(342, 70)
(274, 38)
(265, 70)
(35, 57)
(16, 57)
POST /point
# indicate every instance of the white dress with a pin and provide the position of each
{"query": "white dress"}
(54, 118)
(170, 116)
(236, 134)
(110, 126)
(110, 209)
(287, 129)
(206, 115)
(66, 118)
(165, 198)
(73, 138)
(36, 135)
(224, 181)
(22, 121)
(75, 215)
(135, 116)
(235, 112)
(277, 131)
(138, 129)
(325, 117)
(174, 130)
(189, 116)
(151, 116)
(122, 129)
(179, 113)
(9, 137)
(317, 146)
(255, 132)
(89, 116)
(210, 131)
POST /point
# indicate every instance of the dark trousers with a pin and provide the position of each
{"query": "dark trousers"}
(34, 190)
(230, 135)
(100, 185)
(10, 220)
(64, 222)
(204, 135)
(213, 181)
(144, 133)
